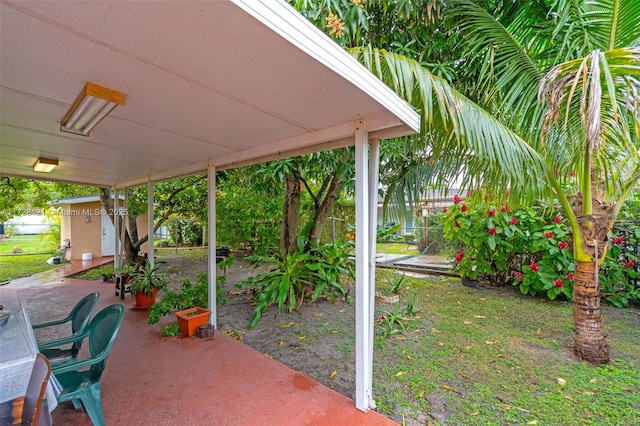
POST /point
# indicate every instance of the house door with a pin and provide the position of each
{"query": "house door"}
(108, 235)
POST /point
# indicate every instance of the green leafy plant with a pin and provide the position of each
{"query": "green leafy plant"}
(389, 233)
(525, 247)
(170, 330)
(187, 296)
(411, 309)
(299, 276)
(127, 268)
(106, 271)
(391, 322)
(147, 278)
(394, 285)
(619, 275)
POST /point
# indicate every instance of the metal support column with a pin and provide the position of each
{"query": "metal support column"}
(211, 223)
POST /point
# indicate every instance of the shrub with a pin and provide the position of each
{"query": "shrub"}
(188, 296)
(300, 276)
(618, 275)
(525, 247)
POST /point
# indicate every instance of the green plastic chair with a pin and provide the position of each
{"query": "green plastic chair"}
(79, 318)
(83, 387)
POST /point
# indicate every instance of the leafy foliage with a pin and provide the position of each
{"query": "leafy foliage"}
(498, 245)
(299, 276)
(188, 296)
(619, 277)
(147, 278)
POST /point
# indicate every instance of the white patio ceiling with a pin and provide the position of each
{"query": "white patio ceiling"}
(220, 82)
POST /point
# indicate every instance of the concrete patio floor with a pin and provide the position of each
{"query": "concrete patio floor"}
(151, 380)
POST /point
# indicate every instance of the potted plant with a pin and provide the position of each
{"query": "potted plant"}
(187, 304)
(106, 272)
(124, 275)
(190, 319)
(145, 285)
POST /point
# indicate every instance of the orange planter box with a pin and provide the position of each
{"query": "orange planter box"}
(190, 319)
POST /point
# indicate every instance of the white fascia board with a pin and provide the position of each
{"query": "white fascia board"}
(329, 138)
(189, 170)
(295, 28)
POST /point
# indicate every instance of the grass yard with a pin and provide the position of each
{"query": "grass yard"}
(25, 262)
(397, 248)
(27, 244)
(12, 267)
(493, 356)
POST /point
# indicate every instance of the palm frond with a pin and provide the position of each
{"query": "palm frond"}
(465, 139)
(512, 58)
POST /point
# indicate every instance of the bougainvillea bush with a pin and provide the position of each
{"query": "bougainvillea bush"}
(525, 246)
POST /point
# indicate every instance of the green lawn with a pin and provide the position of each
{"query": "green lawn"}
(12, 267)
(27, 244)
(485, 357)
(397, 248)
(23, 264)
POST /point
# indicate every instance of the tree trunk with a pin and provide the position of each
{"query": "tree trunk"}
(321, 213)
(334, 188)
(130, 250)
(290, 213)
(589, 340)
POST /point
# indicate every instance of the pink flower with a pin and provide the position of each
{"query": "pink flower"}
(534, 267)
(463, 208)
(514, 220)
(492, 231)
(630, 264)
(558, 283)
(444, 210)
(492, 212)
(518, 275)
(562, 245)
(618, 240)
(548, 234)
(504, 208)
(456, 199)
(557, 219)
(459, 257)
(569, 276)
(456, 224)
(382, 318)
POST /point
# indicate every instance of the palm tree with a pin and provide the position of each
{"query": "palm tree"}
(557, 91)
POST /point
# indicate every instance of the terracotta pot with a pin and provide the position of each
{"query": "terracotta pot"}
(190, 319)
(144, 301)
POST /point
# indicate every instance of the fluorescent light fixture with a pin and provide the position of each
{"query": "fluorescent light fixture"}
(45, 165)
(91, 106)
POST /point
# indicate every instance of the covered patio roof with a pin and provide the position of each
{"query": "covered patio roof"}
(224, 83)
(209, 85)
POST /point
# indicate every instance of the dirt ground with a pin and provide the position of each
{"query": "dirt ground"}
(317, 341)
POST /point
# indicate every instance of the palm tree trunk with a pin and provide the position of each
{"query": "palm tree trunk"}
(589, 340)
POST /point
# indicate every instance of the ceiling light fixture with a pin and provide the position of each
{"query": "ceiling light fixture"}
(45, 165)
(91, 106)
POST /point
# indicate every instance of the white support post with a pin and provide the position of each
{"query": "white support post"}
(116, 228)
(150, 252)
(374, 167)
(364, 354)
(122, 212)
(211, 223)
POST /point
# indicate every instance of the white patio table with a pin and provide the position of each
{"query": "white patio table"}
(18, 350)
